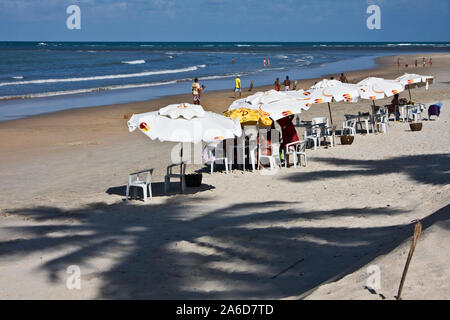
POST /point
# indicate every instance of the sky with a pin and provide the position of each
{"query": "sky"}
(225, 20)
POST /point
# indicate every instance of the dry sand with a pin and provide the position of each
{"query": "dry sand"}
(306, 232)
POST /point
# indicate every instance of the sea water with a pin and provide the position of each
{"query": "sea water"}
(39, 77)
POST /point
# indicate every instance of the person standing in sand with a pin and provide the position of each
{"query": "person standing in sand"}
(343, 78)
(288, 133)
(416, 63)
(431, 62)
(237, 86)
(287, 84)
(398, 62)
(277, 84)
(424, 62)
(196, 89)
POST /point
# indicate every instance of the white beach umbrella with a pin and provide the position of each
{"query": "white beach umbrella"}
(185, 123)
(411, 81)
(239, 104)
(327, 91)
(336, 90)
(184, 110)
(274, 104)
(378, 88)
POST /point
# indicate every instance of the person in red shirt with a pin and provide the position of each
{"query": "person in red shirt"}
(288, 132)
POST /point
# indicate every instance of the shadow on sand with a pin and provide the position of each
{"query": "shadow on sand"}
(185, 249)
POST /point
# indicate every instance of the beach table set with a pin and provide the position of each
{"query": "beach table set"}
(240, 125)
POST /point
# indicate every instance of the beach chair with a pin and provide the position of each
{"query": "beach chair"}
(252, 133)
(416, 112)
(391, 110)
(350, 127)
(297, 150)
(324, 128)
(434, 110)
(274, 157)
(181, 176)
(381, 121)
(134, 180)
(274, 147)
(313, 134)
(216, 153)
(366, 122)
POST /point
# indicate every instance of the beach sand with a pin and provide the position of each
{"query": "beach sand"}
(301, 233)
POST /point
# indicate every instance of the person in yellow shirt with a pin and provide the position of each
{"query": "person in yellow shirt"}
(237, 86)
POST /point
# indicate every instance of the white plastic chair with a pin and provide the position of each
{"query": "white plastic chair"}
(297, 150)
(350, 127)
(313, 134)
(274, 157)
(403, 113)
(366, 123)
(325, 129)
(252, 133)
(382, 122)
(214, 157)
(416, 112)
(181, 176)
(135, 181)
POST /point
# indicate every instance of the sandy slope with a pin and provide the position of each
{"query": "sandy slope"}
(239, 235)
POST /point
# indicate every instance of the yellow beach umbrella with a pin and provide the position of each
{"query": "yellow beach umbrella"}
(249, 117)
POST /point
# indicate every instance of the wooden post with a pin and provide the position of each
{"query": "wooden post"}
(417, 232)
(181, 169)
(251, 86)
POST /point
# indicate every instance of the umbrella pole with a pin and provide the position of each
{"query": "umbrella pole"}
(409, 89)
(373, 116)
(331, 120)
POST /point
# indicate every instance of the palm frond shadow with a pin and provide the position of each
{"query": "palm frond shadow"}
(433, 169)
(175, 250)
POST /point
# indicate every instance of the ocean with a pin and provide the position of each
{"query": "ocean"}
(39, 77)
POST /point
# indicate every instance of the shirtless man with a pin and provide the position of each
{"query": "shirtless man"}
(196, 89)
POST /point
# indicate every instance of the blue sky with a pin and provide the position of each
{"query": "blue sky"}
(224, 20)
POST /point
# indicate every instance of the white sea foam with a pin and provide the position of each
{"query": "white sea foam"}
(134, 62)
(17, 77)
(104, 77)
(218, 77)
(67, 92)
